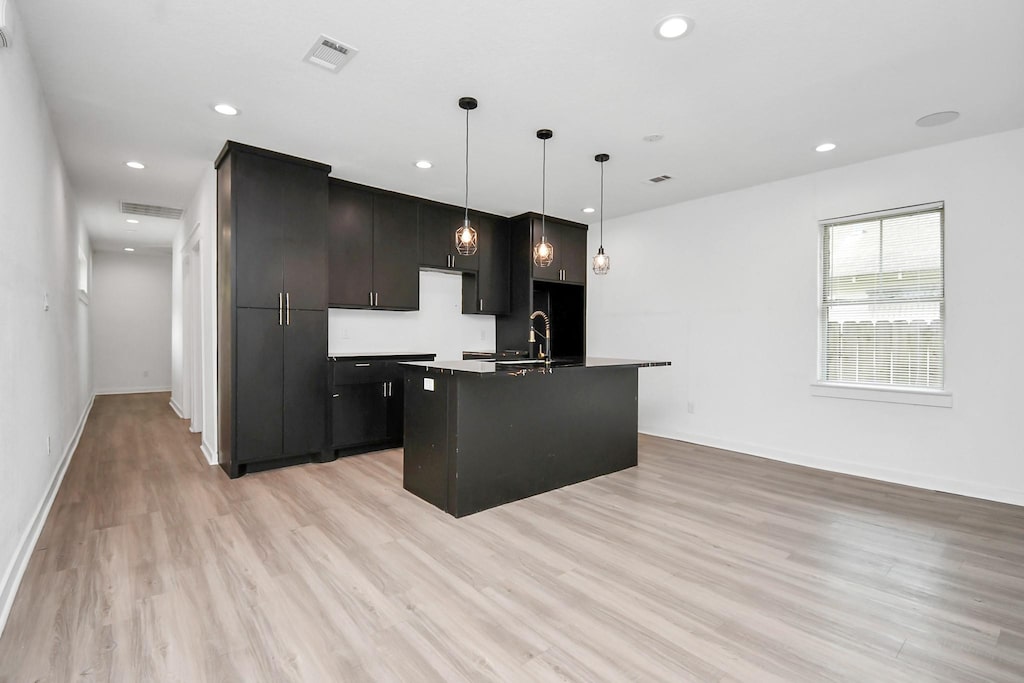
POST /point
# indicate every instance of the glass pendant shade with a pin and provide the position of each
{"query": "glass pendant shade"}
(601, 262)
(543, 252)
(465, 239)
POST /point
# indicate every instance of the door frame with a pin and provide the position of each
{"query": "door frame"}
(193, 287)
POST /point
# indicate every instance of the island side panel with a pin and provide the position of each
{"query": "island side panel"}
(518, 435)
(425, 467)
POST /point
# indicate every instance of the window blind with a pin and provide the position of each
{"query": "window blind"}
(883, 299)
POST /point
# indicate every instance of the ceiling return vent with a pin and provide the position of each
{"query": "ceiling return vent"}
(330, 54)
(151, 211)
(658, 179)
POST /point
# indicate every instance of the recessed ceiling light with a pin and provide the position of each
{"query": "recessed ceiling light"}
(589, 209)
(423, 163)
(135, 165)
(133, 221)
(129, 249)
(939, 118)
(825, 147)
(654, 137)
(225, 109)
(673, 26)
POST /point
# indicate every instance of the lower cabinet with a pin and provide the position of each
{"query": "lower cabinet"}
(280, 384)
(367, 403)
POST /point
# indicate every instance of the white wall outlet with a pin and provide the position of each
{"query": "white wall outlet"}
(690, 408)
(46, 301)
(428, 384)
(145, 373)
(481, 335)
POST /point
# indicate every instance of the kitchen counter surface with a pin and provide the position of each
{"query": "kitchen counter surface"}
(376, 355)
(516, 367)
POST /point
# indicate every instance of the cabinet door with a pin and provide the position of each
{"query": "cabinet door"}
(305, 381)
(258, 376)
(493, 276)
(257, 230)
(358, 414)
(396, 405)
(573, 242)
(550, 273)
(437, 226)
(396, 273)
(304, 192)
(350, 246)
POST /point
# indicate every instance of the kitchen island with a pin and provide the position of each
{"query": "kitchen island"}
(482, 433)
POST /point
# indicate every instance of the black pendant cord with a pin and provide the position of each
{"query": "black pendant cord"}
(543, 190)
(466, 217)
(602, 205)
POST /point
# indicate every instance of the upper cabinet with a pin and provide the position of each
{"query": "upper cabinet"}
(487, 291)
(280, 249)
(569, 243)
(438, 223)
(372, 249)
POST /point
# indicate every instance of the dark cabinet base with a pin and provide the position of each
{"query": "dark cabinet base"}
(475, 442)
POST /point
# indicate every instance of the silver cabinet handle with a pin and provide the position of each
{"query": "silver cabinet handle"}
(384, 388)
(389, 389)
(287, 308)
(481, 304)
(376, 298)
(336, 396)
(280, 309)
(362, 365)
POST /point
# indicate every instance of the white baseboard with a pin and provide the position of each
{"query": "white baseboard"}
(922, 481)
(16, 570)
(211, 457)
(176, 409)
(131, 390)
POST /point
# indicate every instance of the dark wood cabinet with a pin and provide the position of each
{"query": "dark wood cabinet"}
(373, 249)
(559, 290)
(487, 290)
(570, 251)
(367, 403)
(272, 317)
(438, 223)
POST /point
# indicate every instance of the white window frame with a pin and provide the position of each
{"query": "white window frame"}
(941, 398)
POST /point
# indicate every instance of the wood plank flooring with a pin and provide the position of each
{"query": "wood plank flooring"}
(699, 565)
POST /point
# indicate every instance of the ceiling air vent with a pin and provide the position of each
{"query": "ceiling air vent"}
(658, 179)
(330, 54)
(151, 211)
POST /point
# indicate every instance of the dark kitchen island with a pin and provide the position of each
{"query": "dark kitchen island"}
(482, 433)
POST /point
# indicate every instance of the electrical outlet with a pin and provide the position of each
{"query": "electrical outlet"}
(690, 408)
(145, 373)
(481, 335)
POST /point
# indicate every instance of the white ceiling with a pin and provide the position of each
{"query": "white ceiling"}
(743, 99)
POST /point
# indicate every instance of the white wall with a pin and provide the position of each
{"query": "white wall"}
(726, 288)
(438, 327)
(131, 322)
(199, 224)
(44, 354)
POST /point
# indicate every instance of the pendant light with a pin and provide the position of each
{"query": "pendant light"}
(465, 234)
(543, 252)
(601, 261)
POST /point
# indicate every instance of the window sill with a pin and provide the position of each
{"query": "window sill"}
(920, 397)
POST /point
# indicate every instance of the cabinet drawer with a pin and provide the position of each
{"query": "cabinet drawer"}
(360, 371)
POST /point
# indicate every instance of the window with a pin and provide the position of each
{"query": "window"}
(883, 299)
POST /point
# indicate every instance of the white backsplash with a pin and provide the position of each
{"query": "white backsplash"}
(438, 327)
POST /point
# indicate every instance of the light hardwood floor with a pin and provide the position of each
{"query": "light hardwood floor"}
(698, 565)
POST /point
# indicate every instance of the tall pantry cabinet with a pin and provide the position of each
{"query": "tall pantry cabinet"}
(272, 308)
